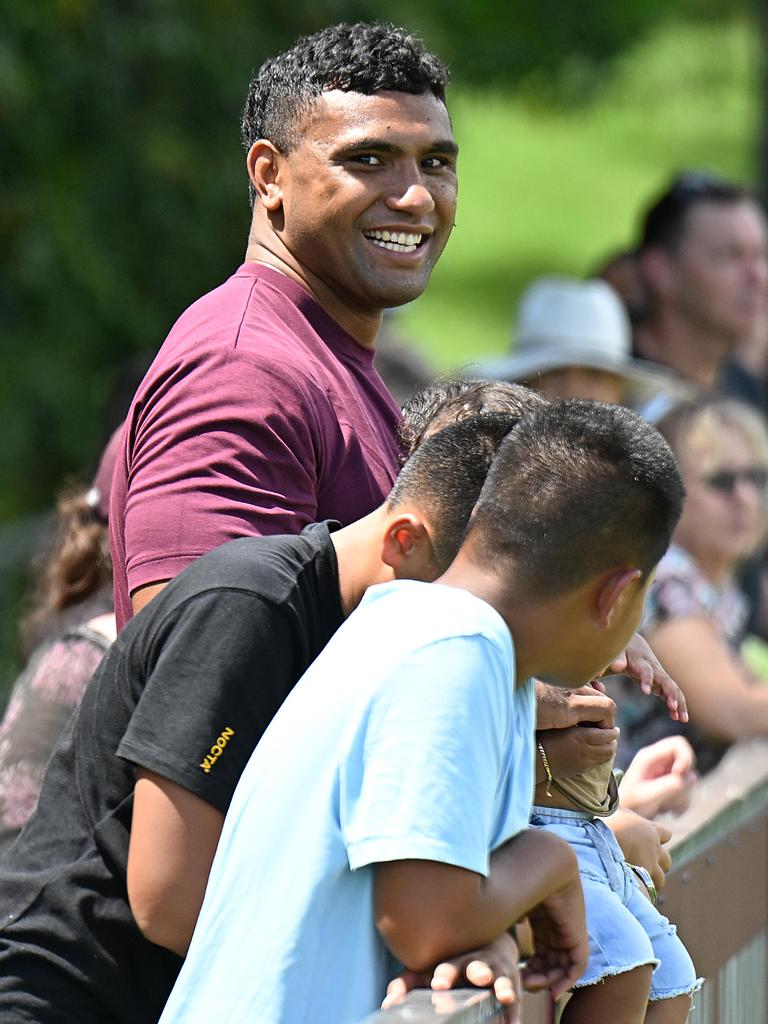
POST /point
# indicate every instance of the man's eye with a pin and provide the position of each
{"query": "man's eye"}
(368, 159)
(434, 162)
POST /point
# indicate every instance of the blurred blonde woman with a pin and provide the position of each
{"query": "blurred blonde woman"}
(696, 614)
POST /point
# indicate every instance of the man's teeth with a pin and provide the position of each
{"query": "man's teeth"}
(401, 242)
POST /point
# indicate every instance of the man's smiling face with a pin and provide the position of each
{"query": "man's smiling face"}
(368, 197)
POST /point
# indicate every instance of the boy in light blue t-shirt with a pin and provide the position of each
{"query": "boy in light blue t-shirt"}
(375, 822)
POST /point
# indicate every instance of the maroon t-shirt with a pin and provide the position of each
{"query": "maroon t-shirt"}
(260, 414)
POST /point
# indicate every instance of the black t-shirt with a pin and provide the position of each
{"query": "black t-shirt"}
(186, 691)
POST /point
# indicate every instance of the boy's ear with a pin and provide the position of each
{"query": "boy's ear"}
(407, 548)
(263, 164)
(613, 589)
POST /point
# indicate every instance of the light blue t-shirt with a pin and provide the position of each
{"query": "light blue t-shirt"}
(407, 738)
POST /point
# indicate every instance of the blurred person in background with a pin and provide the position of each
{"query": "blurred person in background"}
(66, 634)
(696, 614)
(745, 372)
(702, 261)
(573, 340)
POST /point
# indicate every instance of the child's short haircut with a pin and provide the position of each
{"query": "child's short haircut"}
(446, 474)
(448, 400)
(579, 487)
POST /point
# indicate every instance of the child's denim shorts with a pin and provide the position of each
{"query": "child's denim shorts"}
(625, 929)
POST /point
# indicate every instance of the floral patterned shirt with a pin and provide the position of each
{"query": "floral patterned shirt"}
(43, 697)
(680, 590)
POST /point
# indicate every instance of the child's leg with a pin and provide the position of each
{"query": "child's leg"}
(620, 999)
(674, 980)
(669, 1011)
(614, 988)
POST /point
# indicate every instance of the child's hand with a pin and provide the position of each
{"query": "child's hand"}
(642, 842)
(494, 966)
(660, 777)
(561, 947)
(641, 664)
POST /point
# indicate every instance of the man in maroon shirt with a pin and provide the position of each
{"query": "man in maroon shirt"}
(262, 411)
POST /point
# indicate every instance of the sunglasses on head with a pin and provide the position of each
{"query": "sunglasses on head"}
(725, 480)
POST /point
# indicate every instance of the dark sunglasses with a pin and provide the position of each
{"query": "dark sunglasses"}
(725, 480)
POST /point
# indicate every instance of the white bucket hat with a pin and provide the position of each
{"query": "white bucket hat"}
(563, 322)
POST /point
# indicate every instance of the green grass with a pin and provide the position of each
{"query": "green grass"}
(548, 190)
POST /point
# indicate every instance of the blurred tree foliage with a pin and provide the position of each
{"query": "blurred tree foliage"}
(123, 194)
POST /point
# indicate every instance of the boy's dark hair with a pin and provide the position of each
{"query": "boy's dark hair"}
(664, 222)
(446, 474)
(579, 487)
(447, 400)
(366, 57)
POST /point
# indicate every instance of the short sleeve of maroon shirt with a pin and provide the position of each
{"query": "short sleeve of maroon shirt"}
(259, 415)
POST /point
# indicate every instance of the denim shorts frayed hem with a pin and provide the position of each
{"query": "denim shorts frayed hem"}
(691, 991)
(625, 930)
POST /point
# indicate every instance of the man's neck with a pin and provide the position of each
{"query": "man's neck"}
(362, 326)
(690, 350)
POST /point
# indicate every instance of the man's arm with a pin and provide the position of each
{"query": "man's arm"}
(143, 595)
(558, 707)
(232, 453)
(174, 835)
(428, 911)
(575, 750)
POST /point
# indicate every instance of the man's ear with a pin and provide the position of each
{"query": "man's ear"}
(263, 164)
(407, 548)
(657, 270)
(614, 587)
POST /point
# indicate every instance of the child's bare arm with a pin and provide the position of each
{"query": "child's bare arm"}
(428, 911)
(642, 842)
(174, 834)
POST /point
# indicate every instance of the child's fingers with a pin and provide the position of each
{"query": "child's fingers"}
(396, 990)
(505, 991)
(479, 973)
(446, 975)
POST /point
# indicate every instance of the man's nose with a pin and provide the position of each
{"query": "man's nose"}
(413, 198)
(757, 268)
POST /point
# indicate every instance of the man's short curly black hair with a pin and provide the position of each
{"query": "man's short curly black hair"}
(366, 57)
